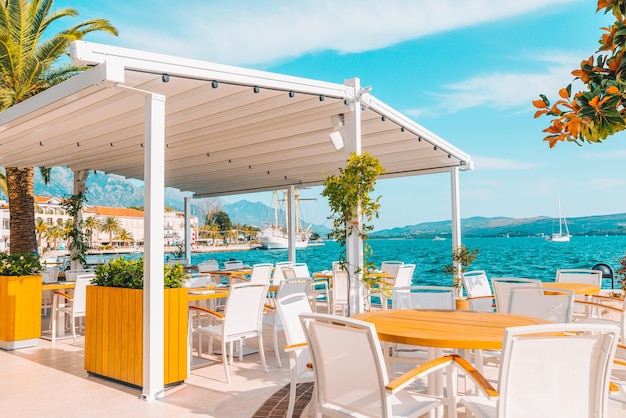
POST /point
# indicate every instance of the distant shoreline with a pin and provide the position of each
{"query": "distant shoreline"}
(168, 251)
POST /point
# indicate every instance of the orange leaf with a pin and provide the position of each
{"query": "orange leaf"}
(577, 73)
(594, 102)
(612, 90)
(539, 104)
(540, 112)
(563, 93)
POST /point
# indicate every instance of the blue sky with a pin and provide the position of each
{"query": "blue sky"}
(465, 69)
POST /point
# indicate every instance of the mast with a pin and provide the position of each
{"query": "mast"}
(275, 210)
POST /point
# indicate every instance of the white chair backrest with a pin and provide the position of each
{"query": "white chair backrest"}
(340, 286)
(565, 374)
(244, 309)
(289, 307)
(278, 275)
(391, 267)
(70, 275)
(423, 297)
(199, 280)
(50, 274)
(476, 283)
(540, 302)
(289, 272)
(404, 276)
(233, 265)
(294, 285)
(301, 270)
(502, 289)
(579, 276)
(349, 365)
(79, 303)
(208, 265)
(261, 273)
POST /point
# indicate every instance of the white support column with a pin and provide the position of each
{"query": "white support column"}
(354, 243)
(154, 201)
(291, 222)
(188, 231)
(456, 209)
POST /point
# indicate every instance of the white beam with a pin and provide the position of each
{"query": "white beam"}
(456, 210)
(153, 294)
(187, 230)
(291, 222)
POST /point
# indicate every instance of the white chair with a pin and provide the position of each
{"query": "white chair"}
(602, 310)
(208, 265)
(339, 290)
(70, 275)
(75, 305)
(502, 288)
(403, 279)
(261, 273)
(478, 291)
(48, 275)
(550, 370)
(418, 297)
(553, 305)
(278, 275)
(350, 374)
(233, 265)
(579, 276)
(242, 319)
(391, 267)
(288, 308)
(287, 287)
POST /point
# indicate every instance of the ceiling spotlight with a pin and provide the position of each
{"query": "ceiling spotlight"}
(337, 140)
(292, 94)
(165, 78)
(214, 84)
(322, 98)
(337, 121)
(256, 89)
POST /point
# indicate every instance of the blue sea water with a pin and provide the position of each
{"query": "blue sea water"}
(499, 257)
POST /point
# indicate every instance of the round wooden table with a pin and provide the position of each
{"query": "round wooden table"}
(445, 329)
(577, 288)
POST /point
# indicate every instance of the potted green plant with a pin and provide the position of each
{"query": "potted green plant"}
(353, 207)
(114, 322)
(20, 300)
(77, 242)
(462, 258)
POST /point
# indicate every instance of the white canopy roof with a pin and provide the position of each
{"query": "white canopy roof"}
(221, 137)
(212, 130)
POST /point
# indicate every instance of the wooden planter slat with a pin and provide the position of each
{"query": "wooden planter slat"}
(20, 311)
(114, 335)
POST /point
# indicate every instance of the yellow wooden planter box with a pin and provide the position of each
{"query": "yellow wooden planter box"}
(20, 311)
(114, 334)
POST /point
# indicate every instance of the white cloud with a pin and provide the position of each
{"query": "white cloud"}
(496, 163)
(248, 32)
(605, 184)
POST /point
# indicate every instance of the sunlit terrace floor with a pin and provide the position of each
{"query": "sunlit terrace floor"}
(49, 381)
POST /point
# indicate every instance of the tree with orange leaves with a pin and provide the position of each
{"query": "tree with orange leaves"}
(599, 111)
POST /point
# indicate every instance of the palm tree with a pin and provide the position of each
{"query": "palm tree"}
(125, 236)
(40, 229)
(52, 234)
(110, 225)
(30, 64)
(91, 224)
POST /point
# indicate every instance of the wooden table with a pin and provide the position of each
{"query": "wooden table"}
(52, 286)
(577, 288)
(445, 329)
(439, 329)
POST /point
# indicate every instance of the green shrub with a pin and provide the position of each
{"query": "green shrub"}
(19, 264)
(122, 272)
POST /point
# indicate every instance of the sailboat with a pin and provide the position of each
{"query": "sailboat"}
(273, 237)
(563, 234)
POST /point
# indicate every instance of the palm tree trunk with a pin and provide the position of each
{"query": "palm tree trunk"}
(21, 193)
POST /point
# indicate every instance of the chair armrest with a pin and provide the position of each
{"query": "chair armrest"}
(407, 378)
(295, 347)
(475, 375)
(64, 295)
(208, 311)
(598, 305)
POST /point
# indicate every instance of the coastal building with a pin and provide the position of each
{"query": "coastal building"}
(50, 210)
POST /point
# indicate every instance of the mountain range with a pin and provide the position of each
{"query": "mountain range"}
(116, 191)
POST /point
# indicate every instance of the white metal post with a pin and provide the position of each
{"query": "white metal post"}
(291, 219)
(456, 211)
(154, 201)
(188, 231)
(354, 243)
